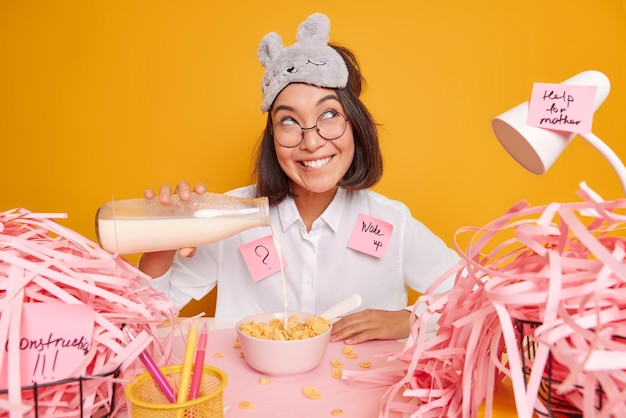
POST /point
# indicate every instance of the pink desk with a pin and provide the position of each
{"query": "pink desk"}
(283, 395)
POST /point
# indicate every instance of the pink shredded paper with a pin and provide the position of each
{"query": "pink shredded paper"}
(41, 262)
(558, 270)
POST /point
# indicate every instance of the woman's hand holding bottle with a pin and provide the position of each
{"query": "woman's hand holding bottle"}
(155, 264)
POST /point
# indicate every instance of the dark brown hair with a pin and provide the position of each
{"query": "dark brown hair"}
(367, 166)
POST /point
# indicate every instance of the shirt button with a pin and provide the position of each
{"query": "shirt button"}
(309, 282)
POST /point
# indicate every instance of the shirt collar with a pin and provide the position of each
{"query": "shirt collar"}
(288, 212)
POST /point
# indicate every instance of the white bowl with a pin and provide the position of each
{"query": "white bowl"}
(281, 358)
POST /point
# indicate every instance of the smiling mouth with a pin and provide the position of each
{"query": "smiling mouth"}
(317, 163)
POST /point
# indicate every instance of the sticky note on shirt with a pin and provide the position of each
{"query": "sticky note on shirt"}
(370, 236)
(261, 257)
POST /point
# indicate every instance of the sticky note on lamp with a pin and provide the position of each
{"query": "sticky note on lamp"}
(562, 107)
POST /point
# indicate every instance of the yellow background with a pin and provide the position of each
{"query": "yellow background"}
(100, 100)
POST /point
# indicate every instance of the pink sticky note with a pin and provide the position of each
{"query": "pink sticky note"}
(55, 339)
(370, 236)
(562, 107)
(261, 257)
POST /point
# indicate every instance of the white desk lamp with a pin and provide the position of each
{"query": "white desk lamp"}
(537, 148)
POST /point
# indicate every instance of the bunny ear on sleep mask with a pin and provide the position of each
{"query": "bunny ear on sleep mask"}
(309, 60)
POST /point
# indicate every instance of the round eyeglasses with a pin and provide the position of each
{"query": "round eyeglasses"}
(330, 125)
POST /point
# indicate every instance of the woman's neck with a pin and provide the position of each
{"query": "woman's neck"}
(311, 205)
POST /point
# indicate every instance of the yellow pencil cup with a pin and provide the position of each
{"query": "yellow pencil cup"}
(146, 399)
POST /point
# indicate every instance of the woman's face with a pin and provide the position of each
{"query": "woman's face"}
(316, 164)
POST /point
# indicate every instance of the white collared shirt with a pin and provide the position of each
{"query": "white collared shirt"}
(321, 269)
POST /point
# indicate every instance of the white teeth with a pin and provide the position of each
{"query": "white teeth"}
(316, 163)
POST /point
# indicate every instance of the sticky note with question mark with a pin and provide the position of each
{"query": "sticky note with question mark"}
(261, 257)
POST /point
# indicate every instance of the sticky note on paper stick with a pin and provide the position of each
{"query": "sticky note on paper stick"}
(562, 107)
(54, 340)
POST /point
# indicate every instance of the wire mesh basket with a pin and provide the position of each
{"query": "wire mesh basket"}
(146, 399)
(33, 394)
(556, 404)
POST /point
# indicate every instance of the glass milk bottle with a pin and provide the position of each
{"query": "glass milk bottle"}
(144, 225)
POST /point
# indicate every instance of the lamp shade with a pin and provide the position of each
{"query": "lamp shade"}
(537, 148)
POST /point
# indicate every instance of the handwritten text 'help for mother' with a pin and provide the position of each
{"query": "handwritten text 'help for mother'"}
(562, 107)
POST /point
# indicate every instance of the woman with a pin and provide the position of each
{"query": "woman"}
(318, 158)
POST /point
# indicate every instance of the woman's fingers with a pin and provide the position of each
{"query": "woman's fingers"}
(187, 252)
(183, 189)
(200, 188)
(165, 193)
(372, 324)
(149, 193)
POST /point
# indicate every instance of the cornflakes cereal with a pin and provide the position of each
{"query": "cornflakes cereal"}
(246, 406)
(236, 345)
(365, 364)
(311, 393)
(336, 412)
(218, 354)
(295, 330)
(347, 349)
(352, 355)
(264, 380)
(336, 373)
(242, 355)
(336, 363)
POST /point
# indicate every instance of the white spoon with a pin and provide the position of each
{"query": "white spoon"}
(342, 308)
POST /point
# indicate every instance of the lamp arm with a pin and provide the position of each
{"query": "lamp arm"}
(609, 154)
